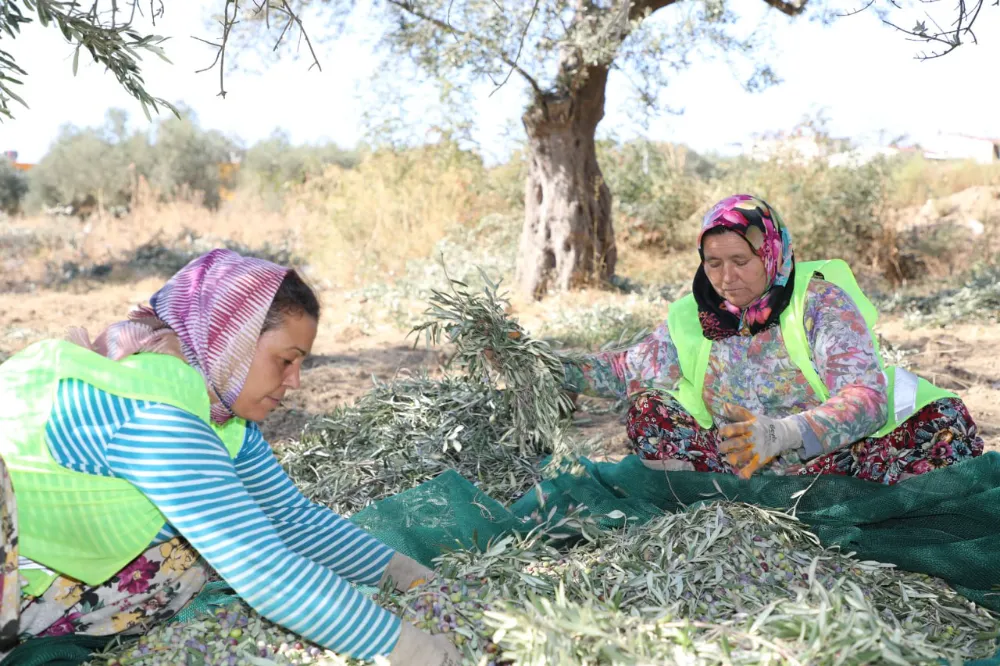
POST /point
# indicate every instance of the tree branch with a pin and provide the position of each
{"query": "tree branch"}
(639, 8)
(924, 37)
(787, 8)
(220, 54)
(520, 46)
(265, 7)
(527, 77)
(856, 11)
(405, 6)
(950, 38)
(294, 18)
(104, 34)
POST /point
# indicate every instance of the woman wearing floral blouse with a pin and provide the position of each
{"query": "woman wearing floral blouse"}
(771, 365)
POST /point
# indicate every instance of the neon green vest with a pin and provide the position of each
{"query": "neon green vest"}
(907, 392)
(80, 525)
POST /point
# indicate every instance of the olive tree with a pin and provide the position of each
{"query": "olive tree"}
(562, 50)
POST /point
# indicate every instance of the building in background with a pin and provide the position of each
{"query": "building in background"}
(12, 156)
(803, 145)
(945, 146)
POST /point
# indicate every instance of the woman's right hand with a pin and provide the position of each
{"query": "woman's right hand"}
(492, 358)
(416, 647)
(574, 397)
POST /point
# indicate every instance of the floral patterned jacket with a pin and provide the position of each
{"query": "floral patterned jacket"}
(757, 373)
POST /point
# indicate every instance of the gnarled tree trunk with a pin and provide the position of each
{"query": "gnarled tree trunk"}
(567, 238)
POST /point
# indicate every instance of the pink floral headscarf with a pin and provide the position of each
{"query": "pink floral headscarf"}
(210, 314)
(762, 227)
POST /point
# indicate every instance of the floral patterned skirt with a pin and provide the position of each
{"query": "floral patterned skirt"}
(152, 588)
(941, 433)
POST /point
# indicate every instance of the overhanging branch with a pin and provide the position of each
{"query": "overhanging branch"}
(517, 56)
(787, 8)
(230, 19)
(951, 37)
(450, 29)
(108, 35)
(640, 7)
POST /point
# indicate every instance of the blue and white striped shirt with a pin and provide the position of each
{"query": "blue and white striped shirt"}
(287, 557)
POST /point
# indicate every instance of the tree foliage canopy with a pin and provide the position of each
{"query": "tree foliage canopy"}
(104, 31)
(551, 45)
(176, 157)
(13, 187)
(103, 163)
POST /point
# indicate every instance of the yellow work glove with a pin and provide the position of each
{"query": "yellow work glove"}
(406, 573)
(752, 441)
(416, 647)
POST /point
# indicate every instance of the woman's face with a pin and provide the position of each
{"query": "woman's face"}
(736, 272)
(276, 366)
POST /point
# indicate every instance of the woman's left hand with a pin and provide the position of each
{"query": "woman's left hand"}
(753, 440)
(406, 573)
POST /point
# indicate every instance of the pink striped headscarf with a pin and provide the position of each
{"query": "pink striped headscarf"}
(210, 314)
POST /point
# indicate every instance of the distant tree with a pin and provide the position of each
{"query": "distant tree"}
(272, 162)
(658, 186)
(85, 167)
(185, 157)
(13, 187)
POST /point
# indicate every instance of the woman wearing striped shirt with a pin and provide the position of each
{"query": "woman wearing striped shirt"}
(140, 449)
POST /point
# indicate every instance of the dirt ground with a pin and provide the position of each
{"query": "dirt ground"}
(964, 358)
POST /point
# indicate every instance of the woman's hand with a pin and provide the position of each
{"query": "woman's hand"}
(491, 357)
(406, 573)
(564, 412)
(752, 440)
(416, 647)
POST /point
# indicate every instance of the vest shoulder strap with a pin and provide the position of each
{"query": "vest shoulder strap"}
(685, 333)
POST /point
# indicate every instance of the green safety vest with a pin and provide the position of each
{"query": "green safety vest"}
(81, 525)
(907, 392)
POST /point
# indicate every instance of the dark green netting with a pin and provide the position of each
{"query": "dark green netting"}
(56, 651)
(444, 513)
(215, 594)
(945, 523)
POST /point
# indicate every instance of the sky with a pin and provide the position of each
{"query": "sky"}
(859, 73)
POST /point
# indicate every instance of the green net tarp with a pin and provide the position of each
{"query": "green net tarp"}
(945, 523)
(56, 651)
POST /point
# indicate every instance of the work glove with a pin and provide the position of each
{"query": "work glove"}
(418, 648)
(752, 441)
(406, 573)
